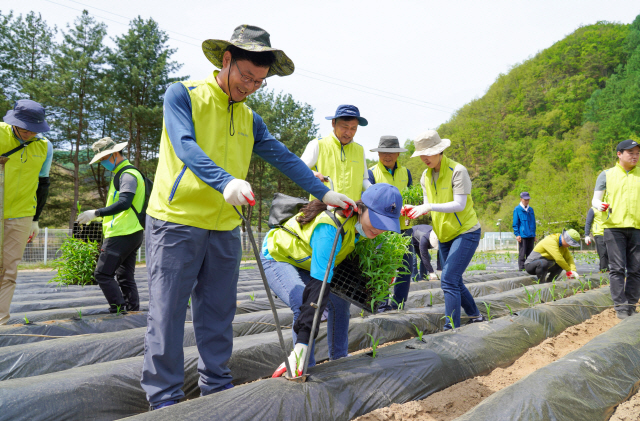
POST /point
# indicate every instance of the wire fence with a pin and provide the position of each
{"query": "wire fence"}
(46, 246)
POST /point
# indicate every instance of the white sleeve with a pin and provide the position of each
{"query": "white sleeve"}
(596, 202)
(458, 204)
(365, 177)
(310, 154)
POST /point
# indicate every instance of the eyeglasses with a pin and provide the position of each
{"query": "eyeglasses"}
(248, 79)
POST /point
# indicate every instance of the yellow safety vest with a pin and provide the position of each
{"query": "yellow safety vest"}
(623, 193)
(448, 225)
(124, 223)
(178, 195)
(285, 247)
(400, 179)
(343, 164)
(21, 173)
(597, 227)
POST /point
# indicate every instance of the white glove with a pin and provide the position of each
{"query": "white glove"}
(296, 361)
(601, 206)
(433, 276)
(87, 216)
(338, 200)
(587, 240)
(575, 275)
(238, 192)
(35, 229)
(414, 212)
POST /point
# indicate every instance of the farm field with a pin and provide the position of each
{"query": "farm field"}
(72, 347)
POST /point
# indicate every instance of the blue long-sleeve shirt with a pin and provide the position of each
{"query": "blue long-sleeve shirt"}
(179, 125)
(524, 222)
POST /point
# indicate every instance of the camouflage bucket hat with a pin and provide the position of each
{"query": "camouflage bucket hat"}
(106, 146)
(250, 38)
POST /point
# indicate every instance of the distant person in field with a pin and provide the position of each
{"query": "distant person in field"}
(338, 156)
(122, 227)
(424, 238)
(388, 171)
(551, 256)
(594, 232)
(621, 222)
(446, 186)
(26, 187)
(524, 228)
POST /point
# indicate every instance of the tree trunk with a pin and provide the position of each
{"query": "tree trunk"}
(76, 164)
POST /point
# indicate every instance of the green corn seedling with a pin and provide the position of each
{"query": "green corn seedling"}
(575, 290)
(362, 313)
(298, 365)
(401, 305)
(412, 195)
(430, 299)
(189, 305)
(488, 307)
(510, 310)
(530, 297)
(118, 310)
(552, 291)
(536, 281)
(450, 320)
(589, 284)
(419, 332)
(79, 313)
(76, 263)
(26, 320)
(252, 296)
(374, 346)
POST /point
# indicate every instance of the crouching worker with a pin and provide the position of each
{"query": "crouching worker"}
(296, 257)
(551, 256)
(424, 238)
(121, 228)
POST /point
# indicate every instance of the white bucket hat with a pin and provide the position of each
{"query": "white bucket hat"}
(106, 146)
(429, 143)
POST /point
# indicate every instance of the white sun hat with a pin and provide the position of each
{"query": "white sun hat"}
(429, 143)
(106, 146)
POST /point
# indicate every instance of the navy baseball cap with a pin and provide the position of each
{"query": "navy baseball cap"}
(384, 202)
(345, 110)
(626, 144)
(28, 115)
(525, 195)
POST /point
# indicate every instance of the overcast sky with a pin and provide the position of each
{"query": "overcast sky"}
(408, 65)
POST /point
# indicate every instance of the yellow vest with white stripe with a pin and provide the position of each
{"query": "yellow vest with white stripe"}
(400, 179)
(597, 227)
(178, 195)
(343, 163)
(126, 222)
(623, 193)
(285, 247)
(448, 225)
(21, 173)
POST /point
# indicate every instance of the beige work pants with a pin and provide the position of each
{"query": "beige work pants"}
(16, 235)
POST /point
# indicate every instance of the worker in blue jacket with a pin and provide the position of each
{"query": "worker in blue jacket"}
(524, 228)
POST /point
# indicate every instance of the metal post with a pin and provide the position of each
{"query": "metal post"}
(46, 242)
(3, 160)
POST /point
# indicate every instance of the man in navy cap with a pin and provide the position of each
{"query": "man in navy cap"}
(338, 156)
(621, 184)
(524, 228)
(26, 187)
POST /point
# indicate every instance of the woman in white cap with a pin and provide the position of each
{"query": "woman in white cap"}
(447, 194)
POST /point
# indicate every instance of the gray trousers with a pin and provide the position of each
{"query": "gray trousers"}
(623, 248)
(184, 261)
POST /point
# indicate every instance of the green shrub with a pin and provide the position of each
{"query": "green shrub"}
(76, 263)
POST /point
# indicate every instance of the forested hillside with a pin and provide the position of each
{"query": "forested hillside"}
(550, 125)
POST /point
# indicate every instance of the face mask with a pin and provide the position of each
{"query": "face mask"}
(110, 166)
(360, 229)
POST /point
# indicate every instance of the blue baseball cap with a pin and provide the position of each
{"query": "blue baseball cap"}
(525, 195)
(28, 115)
(384, 202)
(345, 110)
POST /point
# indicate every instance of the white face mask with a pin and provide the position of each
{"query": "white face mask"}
(360, 229)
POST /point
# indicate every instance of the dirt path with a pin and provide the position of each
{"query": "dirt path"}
(456, 400)
(629, 410)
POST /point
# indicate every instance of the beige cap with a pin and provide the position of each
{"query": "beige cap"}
(106, 146)
(429, 143)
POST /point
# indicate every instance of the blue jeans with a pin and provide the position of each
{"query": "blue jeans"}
(455, 256)
(287, 282)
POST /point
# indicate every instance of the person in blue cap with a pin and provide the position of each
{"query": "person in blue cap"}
(296, 257)
(524, 228)
(26, 187)
(338, 156)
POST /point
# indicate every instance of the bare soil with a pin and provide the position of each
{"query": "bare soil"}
(458, 399)
(629, 410)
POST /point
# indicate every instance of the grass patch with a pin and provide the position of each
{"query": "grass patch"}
(247, 267)
(479, 266)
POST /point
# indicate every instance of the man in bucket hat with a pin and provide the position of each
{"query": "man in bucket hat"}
(26, 187)
(621, 222)
(388, 171)
(192, 232)
(524, 228)
(551, 256)
(121, 227)
(338, 156)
